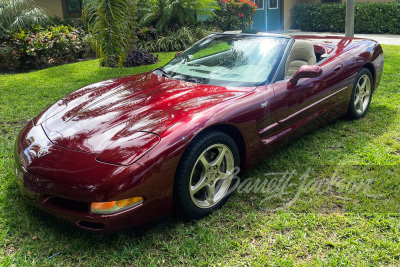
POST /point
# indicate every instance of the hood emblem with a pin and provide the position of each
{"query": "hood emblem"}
(42, 151)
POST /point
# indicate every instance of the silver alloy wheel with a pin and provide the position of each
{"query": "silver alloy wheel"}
(211, 176)
(362, 94)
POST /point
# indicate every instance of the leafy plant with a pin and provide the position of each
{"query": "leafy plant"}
(8, 58)
(235, 14)
(150, 46)
(87, 46)
(167, 43)
(184, 37)
(42, 47)
(139, 58)
(73, 22)
(111, 23)
(16, 14)
(200, 33)
(164, 14)
(250, 30)
(150, 41)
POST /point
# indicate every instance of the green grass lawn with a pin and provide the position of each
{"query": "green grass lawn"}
(354, 221)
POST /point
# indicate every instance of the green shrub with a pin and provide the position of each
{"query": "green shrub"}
(250, 31)
(8, 58)
(140, 58)
(40, 47)
(87, 46)
(235, 15)
(149, 46)
(166, 14)
(73, 22)
(4, 37)
(369, 17)
(150, 41)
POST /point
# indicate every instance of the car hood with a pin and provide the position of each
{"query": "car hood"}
(92, 118)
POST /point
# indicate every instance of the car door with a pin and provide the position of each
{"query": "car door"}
(311, 101)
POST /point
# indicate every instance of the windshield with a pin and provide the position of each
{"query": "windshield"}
(228, 60)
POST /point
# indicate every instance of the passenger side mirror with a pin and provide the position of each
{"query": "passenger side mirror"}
(306, 71)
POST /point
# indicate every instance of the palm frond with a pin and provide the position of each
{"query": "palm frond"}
(15, 14)
(111, 24)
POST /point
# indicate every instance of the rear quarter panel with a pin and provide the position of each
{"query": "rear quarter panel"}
(368, 53)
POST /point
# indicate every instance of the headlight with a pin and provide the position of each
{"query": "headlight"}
(127, 150)
(115, 206)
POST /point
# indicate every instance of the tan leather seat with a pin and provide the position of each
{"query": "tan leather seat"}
(302, 53)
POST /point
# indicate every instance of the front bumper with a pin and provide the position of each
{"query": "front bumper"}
(65, 182)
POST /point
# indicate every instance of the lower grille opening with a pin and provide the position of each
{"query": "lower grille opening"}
(67, 204)
(90, 225)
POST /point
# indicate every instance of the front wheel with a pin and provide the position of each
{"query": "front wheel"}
(361, 95)
(205, 174)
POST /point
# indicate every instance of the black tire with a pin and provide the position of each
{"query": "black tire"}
(193, 175)
(361, 95)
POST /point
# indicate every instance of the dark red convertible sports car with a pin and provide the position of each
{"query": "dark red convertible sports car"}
(126, 151)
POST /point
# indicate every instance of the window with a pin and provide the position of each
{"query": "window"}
(273, 4)
(74, 6)
(259, 3)
(228, 60)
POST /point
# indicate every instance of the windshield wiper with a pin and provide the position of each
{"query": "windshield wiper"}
(164, 73)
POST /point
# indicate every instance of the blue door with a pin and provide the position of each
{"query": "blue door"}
(274, 15)
(268, 15)
(260, 22)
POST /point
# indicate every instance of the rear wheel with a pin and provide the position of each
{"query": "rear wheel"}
(205, 174)
(361, 95)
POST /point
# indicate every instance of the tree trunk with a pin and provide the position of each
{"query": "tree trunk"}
(132, 43)
(133, 39)
(349, 31)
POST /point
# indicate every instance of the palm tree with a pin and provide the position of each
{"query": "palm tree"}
(15, 14)
(111, 23)
(163, 13)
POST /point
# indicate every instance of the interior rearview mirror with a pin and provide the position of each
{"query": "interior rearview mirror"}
(306, 71)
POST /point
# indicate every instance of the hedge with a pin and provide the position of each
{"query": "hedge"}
(369, 17)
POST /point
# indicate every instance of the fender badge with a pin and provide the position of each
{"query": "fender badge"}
(264, 105)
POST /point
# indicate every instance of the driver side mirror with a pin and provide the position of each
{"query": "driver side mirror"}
(306, 71)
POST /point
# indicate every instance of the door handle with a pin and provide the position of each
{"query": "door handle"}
(338, 67)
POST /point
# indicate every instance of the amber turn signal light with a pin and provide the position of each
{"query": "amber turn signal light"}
(103, 205)
(115, 206)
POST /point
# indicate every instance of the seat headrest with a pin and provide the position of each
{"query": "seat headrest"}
(302, 53)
